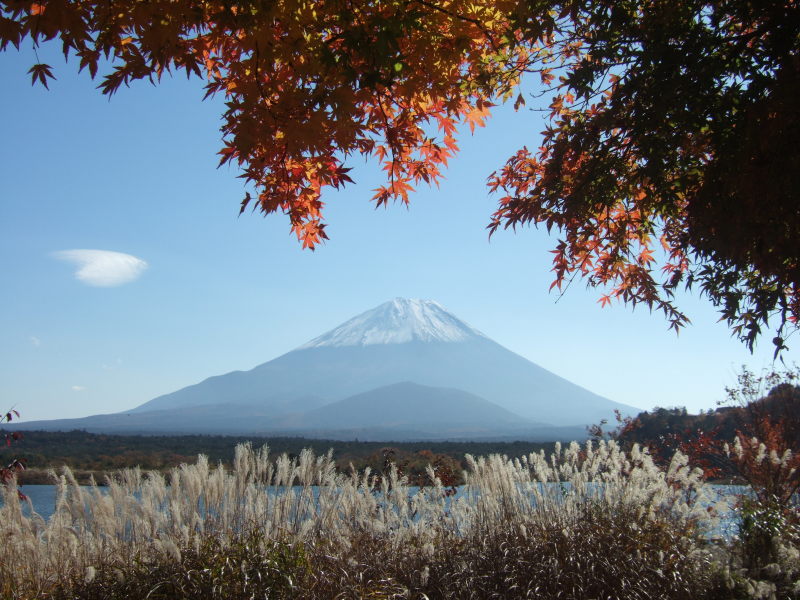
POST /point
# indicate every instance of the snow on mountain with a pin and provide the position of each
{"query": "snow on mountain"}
(398, 321)
(391, 357)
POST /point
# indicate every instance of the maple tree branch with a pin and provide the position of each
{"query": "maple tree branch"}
(391, 145)
(450, 13)
(564, 291)
(260, 86)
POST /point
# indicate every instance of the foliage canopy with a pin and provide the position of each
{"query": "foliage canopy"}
(670, 157)
(673, 143)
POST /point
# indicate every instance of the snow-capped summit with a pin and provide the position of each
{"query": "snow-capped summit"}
(398, 321)
(391, 369)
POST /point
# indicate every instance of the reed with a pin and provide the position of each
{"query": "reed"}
(585, 521)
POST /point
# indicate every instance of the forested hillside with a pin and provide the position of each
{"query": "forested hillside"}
(772, 418)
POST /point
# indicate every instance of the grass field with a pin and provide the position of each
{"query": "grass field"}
(608, 524)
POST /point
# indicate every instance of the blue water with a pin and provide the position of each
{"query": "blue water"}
(43, 500)
(42, 497)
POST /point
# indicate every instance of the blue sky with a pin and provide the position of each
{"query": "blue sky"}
(137, 175)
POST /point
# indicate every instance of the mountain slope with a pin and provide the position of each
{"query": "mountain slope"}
(411, 405)
(401, 340)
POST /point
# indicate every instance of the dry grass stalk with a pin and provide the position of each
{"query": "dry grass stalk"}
(360, 535)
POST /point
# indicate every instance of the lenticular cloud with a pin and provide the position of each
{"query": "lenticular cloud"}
(103, 268)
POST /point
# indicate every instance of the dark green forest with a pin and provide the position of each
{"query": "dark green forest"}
(99, 454)
(662, 430)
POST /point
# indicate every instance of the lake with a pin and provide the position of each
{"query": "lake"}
(43, 500)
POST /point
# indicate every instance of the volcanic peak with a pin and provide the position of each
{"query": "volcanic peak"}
(398, 321)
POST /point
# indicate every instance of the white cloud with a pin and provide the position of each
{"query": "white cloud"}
(35, 341)
(78, 388)
(103, 268)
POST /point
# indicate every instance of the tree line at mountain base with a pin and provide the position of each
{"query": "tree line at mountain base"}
(98, 455)
(766, 407)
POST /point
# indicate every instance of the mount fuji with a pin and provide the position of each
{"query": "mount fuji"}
(407, 369)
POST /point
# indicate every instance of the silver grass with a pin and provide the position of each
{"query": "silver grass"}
(305, 499)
